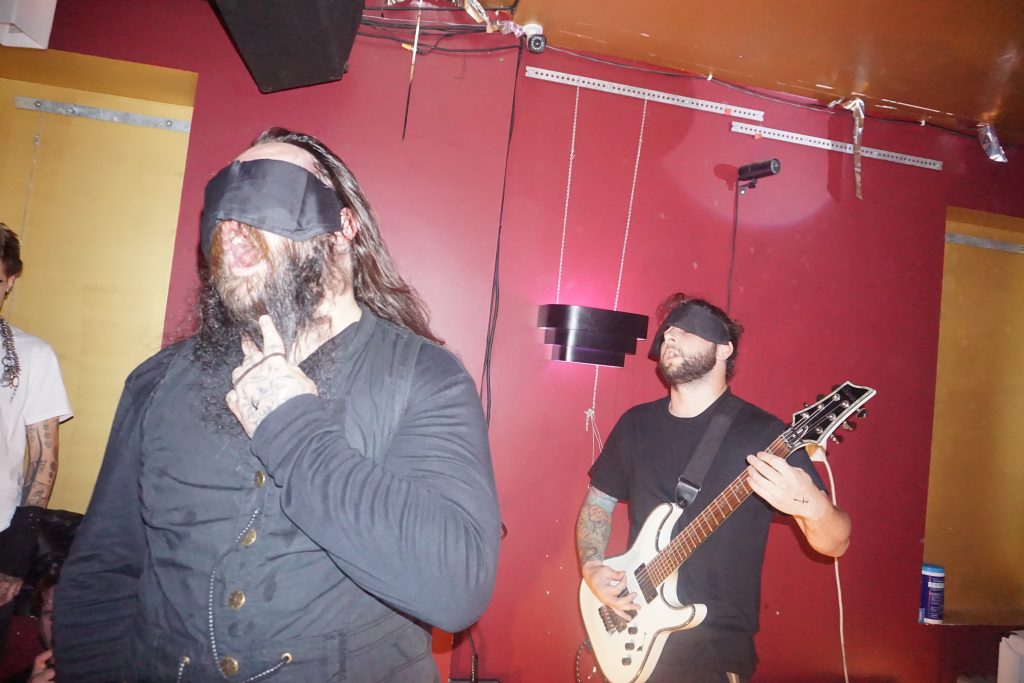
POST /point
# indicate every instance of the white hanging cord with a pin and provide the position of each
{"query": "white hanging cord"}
(568, 188)
(839, 587)
(629, 213)
(590, 414)
(596, 442)
(591, 422)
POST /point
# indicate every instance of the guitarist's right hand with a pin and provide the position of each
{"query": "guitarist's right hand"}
(608, 586)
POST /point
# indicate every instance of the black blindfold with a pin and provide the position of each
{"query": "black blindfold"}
(272, 195)
(695, 320)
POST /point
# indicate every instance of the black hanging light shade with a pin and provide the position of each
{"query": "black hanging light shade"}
(582, 334)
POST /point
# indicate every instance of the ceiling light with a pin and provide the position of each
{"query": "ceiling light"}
(990, 143)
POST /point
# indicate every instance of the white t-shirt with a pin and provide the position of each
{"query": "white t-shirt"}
(40, 396)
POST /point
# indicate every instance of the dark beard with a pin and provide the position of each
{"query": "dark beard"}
(295, 286)
(690, 369)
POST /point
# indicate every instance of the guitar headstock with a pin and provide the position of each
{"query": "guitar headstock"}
(816, 423)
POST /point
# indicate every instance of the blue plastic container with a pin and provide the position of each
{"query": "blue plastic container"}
(933, 588)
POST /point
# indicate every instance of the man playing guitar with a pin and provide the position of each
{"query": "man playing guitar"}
(646, 453)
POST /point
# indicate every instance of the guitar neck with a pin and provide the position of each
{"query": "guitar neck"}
(703, 525)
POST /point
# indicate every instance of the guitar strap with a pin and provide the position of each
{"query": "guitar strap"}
(693, 476)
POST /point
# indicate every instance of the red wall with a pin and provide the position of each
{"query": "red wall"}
(829, 288)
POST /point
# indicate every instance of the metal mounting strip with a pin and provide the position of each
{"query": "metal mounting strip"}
(826, 143)
(82, 111)
(983, 243)
(644, 93)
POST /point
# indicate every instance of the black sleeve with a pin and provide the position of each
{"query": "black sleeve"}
(800, 459)
(96, 598)
(419, 529)
(19, 541)
(611, 472)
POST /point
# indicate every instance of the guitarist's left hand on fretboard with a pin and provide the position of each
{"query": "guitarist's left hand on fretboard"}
(788, 489)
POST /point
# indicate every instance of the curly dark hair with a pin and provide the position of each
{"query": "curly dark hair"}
(674, 301)
(10, 251)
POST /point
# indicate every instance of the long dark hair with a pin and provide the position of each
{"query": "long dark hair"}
(375, 279)
(674, 301)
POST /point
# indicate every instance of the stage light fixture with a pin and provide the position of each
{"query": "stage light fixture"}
(582, 334)
(751, 173)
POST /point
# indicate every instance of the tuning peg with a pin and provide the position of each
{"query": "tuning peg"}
(807, 405)
(862, 413)
(849, 426)
(836, 438)
(821, 396)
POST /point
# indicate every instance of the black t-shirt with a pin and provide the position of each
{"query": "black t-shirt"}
(645, 454)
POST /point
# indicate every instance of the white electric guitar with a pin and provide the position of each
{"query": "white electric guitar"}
(628, 651)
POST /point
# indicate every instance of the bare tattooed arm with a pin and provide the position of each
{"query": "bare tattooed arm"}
(593, 530)
(594, 525)
(42, 462)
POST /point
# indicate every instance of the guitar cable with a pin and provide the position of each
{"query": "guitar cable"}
(839, 587)
(579, 651)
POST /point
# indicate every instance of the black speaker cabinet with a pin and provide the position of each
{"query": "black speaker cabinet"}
(292, 43)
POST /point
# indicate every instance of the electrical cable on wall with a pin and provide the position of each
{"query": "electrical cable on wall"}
(732, 250)
(492, 320)
(384, 28)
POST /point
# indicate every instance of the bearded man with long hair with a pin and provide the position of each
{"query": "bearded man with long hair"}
(297, 492)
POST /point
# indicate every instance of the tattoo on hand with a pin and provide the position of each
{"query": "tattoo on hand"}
(802, 500)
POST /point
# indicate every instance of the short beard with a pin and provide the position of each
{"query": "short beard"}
(296, 284)
(690, 369)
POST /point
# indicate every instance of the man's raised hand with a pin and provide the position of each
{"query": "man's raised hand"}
(265, 379)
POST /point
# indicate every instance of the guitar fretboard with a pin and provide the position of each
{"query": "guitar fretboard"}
(702, 526)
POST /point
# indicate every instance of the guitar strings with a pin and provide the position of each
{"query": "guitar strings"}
(680, 548)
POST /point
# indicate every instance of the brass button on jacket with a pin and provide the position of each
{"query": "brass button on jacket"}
(249, 538)
(236, 599)
(261, 479)
(228, 666)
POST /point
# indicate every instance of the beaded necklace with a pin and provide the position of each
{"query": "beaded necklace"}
(11, 366)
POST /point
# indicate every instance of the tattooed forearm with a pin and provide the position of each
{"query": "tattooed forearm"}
(594, 526)
(41, 472)
(593, 529)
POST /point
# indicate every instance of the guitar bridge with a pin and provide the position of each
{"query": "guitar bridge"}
(613, 623)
